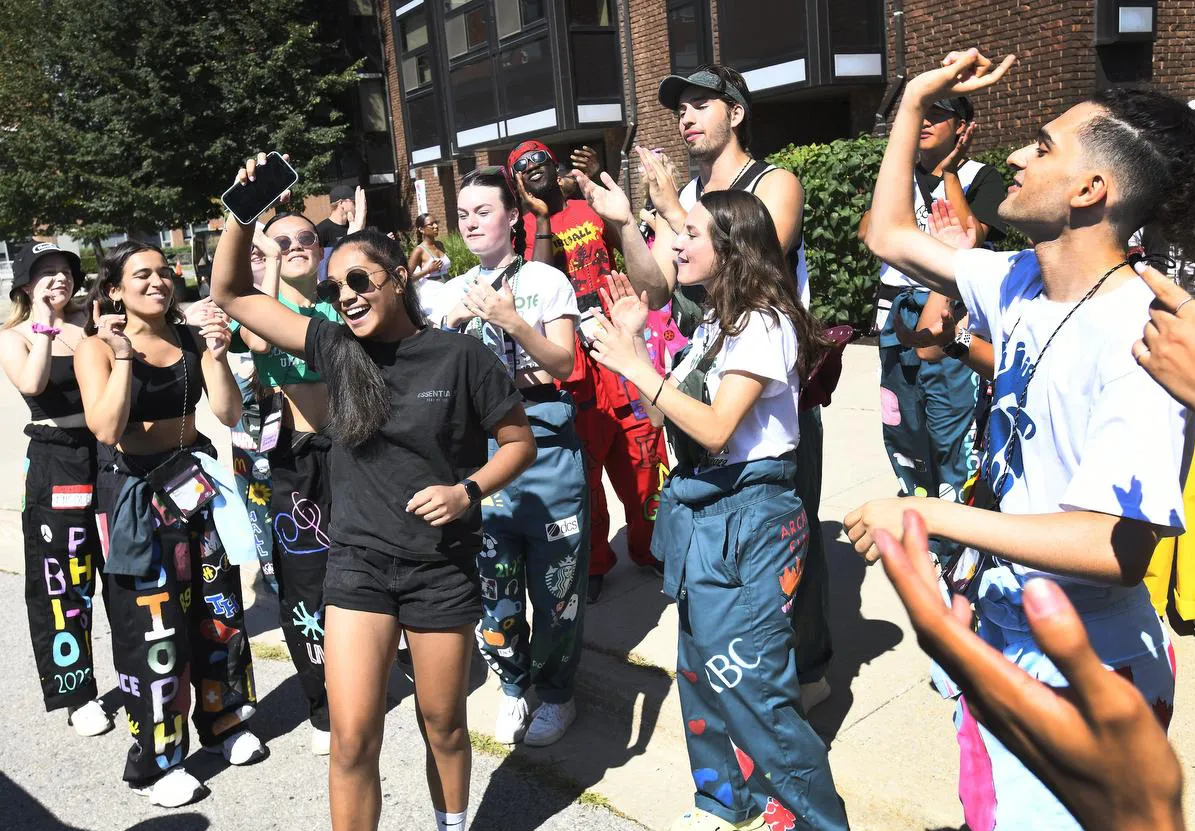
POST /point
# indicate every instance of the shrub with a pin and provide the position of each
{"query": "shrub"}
(462, 258)
(838, 180)
(1013, 240)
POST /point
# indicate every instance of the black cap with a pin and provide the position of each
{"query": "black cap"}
(674, 86)
(22, 266)
(960, 106)
(342, 192)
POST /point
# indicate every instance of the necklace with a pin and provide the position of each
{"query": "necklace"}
(1014, 439)
(701, 184)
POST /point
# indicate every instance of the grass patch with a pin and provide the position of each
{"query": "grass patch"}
(269, 651)
(632, 658)
(486, 746)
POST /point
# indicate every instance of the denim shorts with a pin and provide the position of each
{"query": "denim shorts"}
(436, 595)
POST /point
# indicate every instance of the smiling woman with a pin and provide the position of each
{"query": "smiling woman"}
(141, 375)
(411, 409)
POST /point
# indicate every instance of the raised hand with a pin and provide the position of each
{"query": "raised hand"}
(627, 309)
(945, 225)
(1098, 747)
(609, 202)
(248, 173)
(659, 176)
(110, 329)
(613, 346)
(961, 73)
(959, 154)
(360, 211)
(532, 204)
(1167, 346)
(585, 158)
(217, 335)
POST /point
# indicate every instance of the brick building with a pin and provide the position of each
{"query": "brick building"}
(469, 79)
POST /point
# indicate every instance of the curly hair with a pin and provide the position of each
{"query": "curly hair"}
(1148, 139)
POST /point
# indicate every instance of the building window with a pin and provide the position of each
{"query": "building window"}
(467, 31)
(758, 33)
(513, 16)
(857, 25)
(528, 77)
(593, 41)
(165, 238)
(423, 121)
(591, 13)
(689, 39)
(415, 43)
(474, 101)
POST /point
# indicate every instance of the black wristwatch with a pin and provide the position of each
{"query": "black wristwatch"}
(472, 490)
(960, 347)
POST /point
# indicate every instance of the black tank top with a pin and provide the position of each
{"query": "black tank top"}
(61, 397)
(161, 393)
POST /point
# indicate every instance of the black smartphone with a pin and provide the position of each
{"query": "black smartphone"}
(249, 201)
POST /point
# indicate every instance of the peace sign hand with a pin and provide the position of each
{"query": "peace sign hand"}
(961, 73)
(1167, 346)
(110, 329)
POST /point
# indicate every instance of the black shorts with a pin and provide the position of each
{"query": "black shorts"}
(436, 595)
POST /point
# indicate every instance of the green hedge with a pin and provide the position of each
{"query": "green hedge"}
(839, 178)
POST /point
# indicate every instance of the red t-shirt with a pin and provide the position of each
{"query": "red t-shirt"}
(584, 246)
(585, 242)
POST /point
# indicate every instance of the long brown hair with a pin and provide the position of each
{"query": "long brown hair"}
(753, 275)
(112, 273)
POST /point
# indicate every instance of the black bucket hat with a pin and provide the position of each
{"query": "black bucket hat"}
(31, 253)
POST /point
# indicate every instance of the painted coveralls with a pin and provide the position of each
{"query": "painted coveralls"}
(252, 468)
(177, 626)
(1126, 634)
(62, 560)
(536, 546)
(300, 499)
(928, 413)
(733, 540)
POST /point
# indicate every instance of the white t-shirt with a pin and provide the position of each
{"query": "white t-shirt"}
(688, 198)
(1097, 433)
(431, 298)
(542, 294)
(769, 429)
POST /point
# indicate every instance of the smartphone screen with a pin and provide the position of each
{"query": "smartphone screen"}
(249, 201)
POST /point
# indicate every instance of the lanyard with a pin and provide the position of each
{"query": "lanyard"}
(1014, 440)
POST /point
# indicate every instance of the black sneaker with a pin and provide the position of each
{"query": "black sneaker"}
(595, 588)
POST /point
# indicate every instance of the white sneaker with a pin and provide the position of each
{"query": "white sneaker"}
(511, 724)
(814, 693)
(175, 789)
(321, 742)
(241, 748)
(550, 723)
(90, 719)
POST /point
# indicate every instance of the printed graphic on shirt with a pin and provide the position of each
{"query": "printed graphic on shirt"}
(1002, 453)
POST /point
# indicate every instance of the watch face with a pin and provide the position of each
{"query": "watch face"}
(473, 490)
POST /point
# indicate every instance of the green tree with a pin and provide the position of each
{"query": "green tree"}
(131, 115)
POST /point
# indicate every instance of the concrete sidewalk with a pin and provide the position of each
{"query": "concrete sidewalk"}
(893, 752)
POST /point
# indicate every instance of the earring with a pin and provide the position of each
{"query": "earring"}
(119, 306)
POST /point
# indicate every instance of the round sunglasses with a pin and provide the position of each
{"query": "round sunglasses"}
(533, 159)
(306, 239)
(356, 279)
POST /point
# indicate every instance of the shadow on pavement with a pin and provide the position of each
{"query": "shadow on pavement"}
(18, 809)
(857, 640)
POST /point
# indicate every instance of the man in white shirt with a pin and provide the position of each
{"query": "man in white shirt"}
(1085, 451)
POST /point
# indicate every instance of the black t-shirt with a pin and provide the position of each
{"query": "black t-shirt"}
(985, 194)
(329, 232)
(447, 393)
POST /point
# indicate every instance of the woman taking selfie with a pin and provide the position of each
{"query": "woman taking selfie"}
(428, 259)
(293, 412)
(411, 410)
(166, 513)
(62, 552)
(731, 531)
(537, 530)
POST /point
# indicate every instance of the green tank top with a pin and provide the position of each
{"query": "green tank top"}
(280, 369)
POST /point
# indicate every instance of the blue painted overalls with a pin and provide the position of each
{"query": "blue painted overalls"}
(733, 540)
(536, 544)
